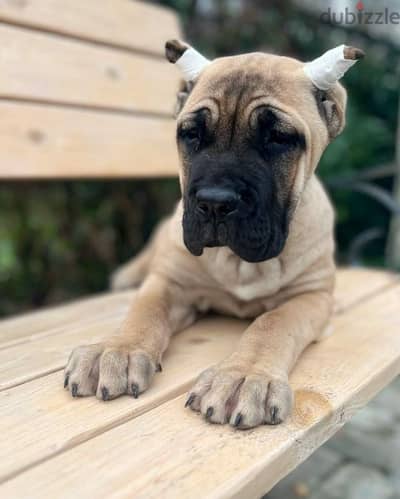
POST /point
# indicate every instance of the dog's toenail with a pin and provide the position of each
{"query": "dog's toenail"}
(190, 400)
(74, 389)
(66, 380)
(104, 393)
(135, 390)
(159, 368)
(209, 412)
(238, 420)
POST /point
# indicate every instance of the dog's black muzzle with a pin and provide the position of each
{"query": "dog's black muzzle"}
(227, 207)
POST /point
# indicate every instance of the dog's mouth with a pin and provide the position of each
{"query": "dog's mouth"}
(215, 234)
(250, 234)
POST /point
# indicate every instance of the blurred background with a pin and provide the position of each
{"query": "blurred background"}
(60, 240)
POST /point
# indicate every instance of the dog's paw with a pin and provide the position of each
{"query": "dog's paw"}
(108, 371)
(241, 398)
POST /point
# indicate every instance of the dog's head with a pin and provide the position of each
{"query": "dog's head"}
(250, 132)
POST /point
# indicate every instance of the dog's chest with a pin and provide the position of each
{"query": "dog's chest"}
(245, 281)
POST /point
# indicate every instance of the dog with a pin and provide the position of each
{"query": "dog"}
(252, 236)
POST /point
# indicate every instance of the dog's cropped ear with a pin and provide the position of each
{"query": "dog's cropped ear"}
(325, 73)
(190, 62)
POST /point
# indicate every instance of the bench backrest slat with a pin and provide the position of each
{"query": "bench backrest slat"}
(55, 142)
(123, 23)
(94, 102)
(38, 67)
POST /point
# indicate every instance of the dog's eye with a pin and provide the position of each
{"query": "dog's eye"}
(277, 137)
(279, 142)
(191, 136)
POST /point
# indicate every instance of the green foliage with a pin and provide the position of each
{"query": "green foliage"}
(60, 240)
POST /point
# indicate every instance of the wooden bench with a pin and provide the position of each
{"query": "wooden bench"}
(84, 92)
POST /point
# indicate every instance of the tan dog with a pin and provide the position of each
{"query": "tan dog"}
(256, 239)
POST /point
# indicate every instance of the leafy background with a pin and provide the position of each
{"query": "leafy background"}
(60, 240)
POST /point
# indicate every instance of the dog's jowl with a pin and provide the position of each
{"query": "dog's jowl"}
(252, 236)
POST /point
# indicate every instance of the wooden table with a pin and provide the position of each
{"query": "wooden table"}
(54, 446)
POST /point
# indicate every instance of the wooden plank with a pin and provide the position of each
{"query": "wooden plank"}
(43, 404)
(48, 350)
(355, 284)
(217, 461)
(70, 72)
(28, 327)
(48, 142)
(123, 23)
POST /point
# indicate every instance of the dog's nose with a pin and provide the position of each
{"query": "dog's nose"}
(216, 201)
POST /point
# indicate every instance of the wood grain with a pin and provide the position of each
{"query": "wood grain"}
(124, 23)
(27, 327)
(36, 66)
(353, 285)
(48, 142)
(43, 404)
(171, 452)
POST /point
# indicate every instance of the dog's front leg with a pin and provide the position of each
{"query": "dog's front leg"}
(127, 361)
(251, 386)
